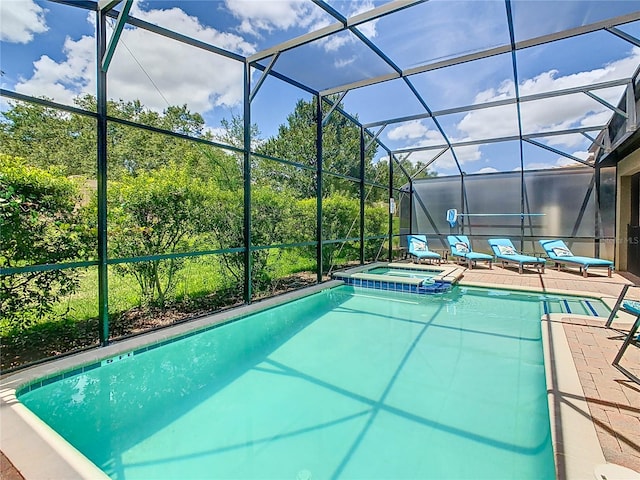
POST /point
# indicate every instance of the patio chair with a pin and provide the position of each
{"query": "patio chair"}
(462, 252)
(558, 251)
(504, 251)
(419, 249)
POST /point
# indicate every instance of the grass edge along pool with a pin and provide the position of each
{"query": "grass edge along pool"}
(443, 302)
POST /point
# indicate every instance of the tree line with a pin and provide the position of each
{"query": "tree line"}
(168, 195)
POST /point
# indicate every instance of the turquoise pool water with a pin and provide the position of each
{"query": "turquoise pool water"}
(341, 384)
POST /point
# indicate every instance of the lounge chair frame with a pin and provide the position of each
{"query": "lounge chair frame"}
(423, 254)
(574, 260)
(517, 259)
(471, 258)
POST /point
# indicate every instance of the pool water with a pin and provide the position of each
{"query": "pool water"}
(341, 384)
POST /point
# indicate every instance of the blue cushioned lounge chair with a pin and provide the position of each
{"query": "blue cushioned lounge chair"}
(462, 253)
(504, 251)
(419, 249)
(560, 253)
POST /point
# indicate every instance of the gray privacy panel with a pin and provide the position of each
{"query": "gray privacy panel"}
(567, 198)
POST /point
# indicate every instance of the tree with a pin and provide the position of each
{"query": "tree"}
(39, 224)
(275, 219)
(154, 213)
(45, 136)
(296, 142)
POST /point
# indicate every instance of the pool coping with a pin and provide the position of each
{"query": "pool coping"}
(447, 273)
(24, 436)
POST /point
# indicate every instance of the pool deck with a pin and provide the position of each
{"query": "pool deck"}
(599, 398)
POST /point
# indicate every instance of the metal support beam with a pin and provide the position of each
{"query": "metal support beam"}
(362, 195)
(247, 257)
(533, 42)
(593, 140)
(106, 5)
(438, 155)
(334, 105)
(606, 104)
(625, 36)
(101, 142)
(516, 82)
(375, 137)
(500, 103)
(509, 138)
(632, 120)
(263, 77)
(401, 167)
(117, 31)
(365, 17)
(559, 152)
(319, 234)
(390, 214)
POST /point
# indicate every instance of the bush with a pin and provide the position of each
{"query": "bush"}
(153, 213)
(274, 220)
(39, 224)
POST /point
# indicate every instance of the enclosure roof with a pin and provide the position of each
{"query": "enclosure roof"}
(463, 86)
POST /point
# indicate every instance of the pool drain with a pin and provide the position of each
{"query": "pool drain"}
(304, 475)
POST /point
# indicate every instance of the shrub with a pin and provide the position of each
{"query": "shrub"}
(274, 220)
(154, 213)
(39, 224)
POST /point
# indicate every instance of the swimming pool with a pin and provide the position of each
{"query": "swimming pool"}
(340, 384)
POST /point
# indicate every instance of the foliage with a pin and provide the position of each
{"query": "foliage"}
(153, 213)
(45, 136)
(341, 219)
(296, 142)
(274, 218)
(38, 225)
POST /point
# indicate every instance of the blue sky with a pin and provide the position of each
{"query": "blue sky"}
(49, 49)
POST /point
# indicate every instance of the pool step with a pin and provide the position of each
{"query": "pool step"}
(577, 306)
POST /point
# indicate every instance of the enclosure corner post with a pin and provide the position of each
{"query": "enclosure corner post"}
(101, 140)
(319, 188)
(390, 213)
(247, 183)
(362, 194)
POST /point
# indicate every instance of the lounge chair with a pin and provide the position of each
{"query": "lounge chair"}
(419, 249)
(558, 251)
(462, 253)
(504, 251)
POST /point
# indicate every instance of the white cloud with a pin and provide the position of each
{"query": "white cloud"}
(344, 62)
(560, 162)
(487, 170)
(258, 16)
(409, 131)
(148, 67)
(468, 154)
(553, 113)
(20, 20)
(65, 80)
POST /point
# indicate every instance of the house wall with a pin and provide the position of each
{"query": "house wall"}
(627, 167)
